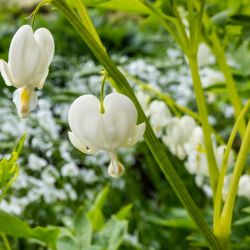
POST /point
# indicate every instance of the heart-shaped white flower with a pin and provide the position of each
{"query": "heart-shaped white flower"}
(29, 58)
(115, 128)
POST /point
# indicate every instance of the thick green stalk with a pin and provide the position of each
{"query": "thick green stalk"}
(224, 167)
(230, 83)
(83, 13)
(153, 143)
(227, 212)
(219, 52)
(201, 103)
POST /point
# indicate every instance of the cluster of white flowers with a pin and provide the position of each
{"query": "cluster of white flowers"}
(184, 138)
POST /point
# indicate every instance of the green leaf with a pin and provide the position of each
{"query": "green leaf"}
(131, 6)
(97, 219)
(242, 221)
(9, 168)
(13, 226)
(95, 213)
(83, 229)
(177, 218)
(101, 198)
(112, 234)
(66, 243)
(124, 212)
(48, 235)
(246, 210)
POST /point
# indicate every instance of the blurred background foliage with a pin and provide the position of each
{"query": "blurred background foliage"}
(55, 179)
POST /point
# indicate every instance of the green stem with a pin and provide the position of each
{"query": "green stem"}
(34, 13)
(86, 21)
(102, 94)
(227, 212)
(201, 103)
(224, 167)
(230, 83)
(153, 143)
(6, 242)
(219, 52)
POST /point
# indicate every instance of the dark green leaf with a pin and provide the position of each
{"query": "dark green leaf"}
(13, 226)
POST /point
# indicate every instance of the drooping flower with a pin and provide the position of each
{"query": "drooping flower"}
(244, 186)
(92, 130)
(30, 55)
(159, 115)
(178, 132)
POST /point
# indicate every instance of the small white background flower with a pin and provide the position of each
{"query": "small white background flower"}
(30, 55)
(115, 128)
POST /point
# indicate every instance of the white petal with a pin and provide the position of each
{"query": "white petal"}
(46, 44)
(85, 121)
(42, 81)
(138, 134)
(119, 119)
(83, 148)
(24, 57)
(6, 73)
(115, 168)
(25, 104)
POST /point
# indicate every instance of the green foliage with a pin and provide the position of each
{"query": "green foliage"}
(15, 227)
(9, 168)
(90, 231)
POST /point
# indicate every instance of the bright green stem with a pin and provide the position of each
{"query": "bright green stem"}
(102, 94)
(86, 21)
(224, 166)
(34, 13)
(6, 242)
(201, 103)
(227, 212)
(230, 83)
(153, 143)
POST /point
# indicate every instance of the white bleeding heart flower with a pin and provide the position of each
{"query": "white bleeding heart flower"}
(30, 55)
(92, 130)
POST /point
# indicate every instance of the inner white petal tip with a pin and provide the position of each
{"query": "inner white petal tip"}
(115, 169)
(25, 101)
